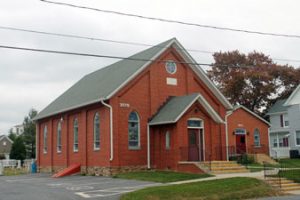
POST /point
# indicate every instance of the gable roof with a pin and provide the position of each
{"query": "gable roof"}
(252, 113)
(278, 107)
(5, 136)
(294, 98)
(104, 83)
(173, 110)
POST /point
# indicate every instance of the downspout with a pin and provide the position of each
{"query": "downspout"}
(148, 147)
(226, 132)
(111, 129)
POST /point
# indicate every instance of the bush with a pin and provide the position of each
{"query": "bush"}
(246, 159)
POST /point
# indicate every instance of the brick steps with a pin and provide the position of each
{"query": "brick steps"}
(224, 167)
(284, 184)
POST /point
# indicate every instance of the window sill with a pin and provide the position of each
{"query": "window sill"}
(58, 152)
(257, 147)
(134, 148)
(75, 151)
(96, 149)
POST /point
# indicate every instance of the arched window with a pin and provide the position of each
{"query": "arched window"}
(133, 131)
(256, 138)
(75, 131)
(45, 148)
(96, 132)
(58, 145)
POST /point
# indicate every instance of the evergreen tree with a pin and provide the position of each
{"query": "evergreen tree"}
(18, 150)
(30, 133)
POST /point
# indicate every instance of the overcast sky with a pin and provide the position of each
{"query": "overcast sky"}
(32, 80)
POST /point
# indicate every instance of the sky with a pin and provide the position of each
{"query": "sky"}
(33, 80)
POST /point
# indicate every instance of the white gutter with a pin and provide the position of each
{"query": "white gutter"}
(111, 129)
(226, 132)
(148, 146)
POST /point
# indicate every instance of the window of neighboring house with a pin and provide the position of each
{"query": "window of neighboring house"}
(286, 121)
(133, 131)
(167, 140)
(298, 137)
(281, 120)
(58, 147)
(45, 140)
(75, 133)
(286, 142)
(256, 138)
(96, 132)
(275, 142)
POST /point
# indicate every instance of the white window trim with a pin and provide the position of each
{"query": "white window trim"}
(283, 119)
(59, 147)
(297, 145)
(74, 149)
(168, 141)
(139, 133)
(196, 119)
(45, 141)
(96, 148)
(257, 146)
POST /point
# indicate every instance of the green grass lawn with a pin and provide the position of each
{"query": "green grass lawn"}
(14, 171)
(291, 175)
(160, 176)
(290, 163)
(222, 189)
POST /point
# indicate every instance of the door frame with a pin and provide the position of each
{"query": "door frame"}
(243, 134)
(199, 129)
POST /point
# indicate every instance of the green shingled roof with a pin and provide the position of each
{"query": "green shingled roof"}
(175, 107)
(101, 83)
(172, 110)
(278, 107)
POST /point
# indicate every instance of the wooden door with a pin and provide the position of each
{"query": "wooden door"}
(240, 144)
(193, 144)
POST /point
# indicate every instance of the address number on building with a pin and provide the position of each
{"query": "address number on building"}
(124, 105)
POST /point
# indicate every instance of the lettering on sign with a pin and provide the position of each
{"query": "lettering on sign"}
(124, 105)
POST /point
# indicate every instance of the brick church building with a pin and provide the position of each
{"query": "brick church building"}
(155, 109)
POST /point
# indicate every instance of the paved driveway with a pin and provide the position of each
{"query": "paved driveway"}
(43, 187)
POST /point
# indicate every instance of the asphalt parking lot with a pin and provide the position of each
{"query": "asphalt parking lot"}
(43, 187)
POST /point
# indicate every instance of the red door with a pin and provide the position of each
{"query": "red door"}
(193, 146)
(240, 144)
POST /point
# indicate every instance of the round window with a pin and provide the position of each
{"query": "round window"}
(171, 67)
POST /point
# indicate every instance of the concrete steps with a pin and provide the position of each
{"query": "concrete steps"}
(224, 167)
(284, 184)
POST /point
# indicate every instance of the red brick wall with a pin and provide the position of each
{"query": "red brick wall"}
(242, 119)
(145, 99)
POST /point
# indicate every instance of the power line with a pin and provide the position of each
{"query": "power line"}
(95, 55)
(175, 21)
(94, 39)
(116, 41)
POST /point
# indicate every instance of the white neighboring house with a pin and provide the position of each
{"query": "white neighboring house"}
(285, 125)
(18, 129)
(5, 146)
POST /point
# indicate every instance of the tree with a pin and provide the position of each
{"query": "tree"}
(254, 80)
(30, 133)
(12, 135)
(18, 150)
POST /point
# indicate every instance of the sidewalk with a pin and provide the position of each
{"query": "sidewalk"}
(258, 175)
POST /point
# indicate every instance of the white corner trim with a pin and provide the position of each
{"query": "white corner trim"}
(287, 102)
